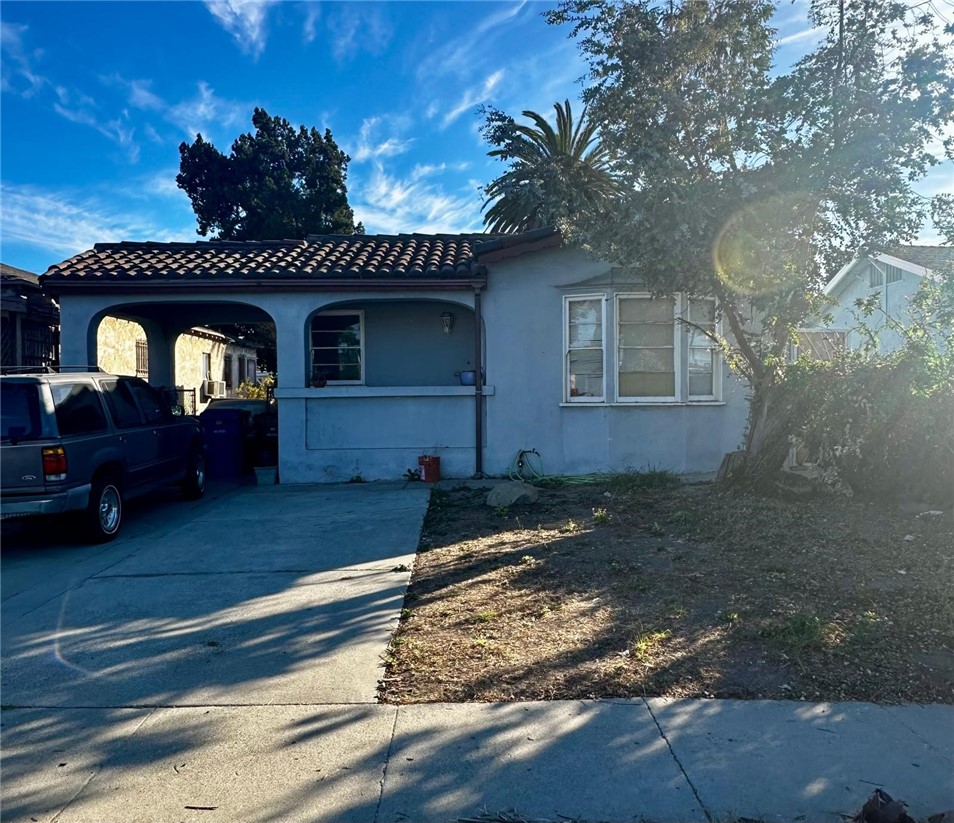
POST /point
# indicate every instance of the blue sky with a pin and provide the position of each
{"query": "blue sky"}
(96, 98)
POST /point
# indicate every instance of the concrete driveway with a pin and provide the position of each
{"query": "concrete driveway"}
(281, 596)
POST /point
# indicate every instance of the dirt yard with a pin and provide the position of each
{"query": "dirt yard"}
(642, 586)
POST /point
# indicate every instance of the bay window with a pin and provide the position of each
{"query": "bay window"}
(632, 348)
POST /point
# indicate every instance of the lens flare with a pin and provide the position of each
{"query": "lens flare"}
(765, 247)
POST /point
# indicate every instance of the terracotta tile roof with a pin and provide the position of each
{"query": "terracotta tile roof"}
(331, 257)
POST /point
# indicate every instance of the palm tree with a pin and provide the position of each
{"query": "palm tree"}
(554, 174)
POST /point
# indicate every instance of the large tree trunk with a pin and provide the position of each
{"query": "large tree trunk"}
(767, 442)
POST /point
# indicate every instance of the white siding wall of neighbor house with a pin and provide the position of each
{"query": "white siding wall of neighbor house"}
(523, 310)
(894, 299)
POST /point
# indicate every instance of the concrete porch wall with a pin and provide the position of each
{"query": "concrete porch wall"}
(374, 433)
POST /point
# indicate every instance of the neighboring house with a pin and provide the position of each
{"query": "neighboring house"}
(466, 347)
(29, 320)
(893, 278)
(207, 364)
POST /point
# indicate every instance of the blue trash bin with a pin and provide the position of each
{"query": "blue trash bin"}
(226, 439)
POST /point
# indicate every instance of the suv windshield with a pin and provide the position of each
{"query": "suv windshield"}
(19, 411)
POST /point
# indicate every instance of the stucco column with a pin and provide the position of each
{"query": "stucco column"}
(161, 340)
(78, 325)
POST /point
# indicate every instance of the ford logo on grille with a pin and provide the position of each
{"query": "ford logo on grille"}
(28, 477)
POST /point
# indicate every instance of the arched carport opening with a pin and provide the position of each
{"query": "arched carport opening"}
(201, 349)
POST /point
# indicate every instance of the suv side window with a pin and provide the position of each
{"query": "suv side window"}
(78, 410)
(153, 405)
(19, 411)
(122, 406)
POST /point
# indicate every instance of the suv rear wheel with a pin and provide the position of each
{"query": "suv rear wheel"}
(104, 514)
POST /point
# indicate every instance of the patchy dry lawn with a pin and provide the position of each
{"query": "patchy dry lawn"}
(610, 590)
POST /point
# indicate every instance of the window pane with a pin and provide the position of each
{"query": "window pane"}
(700, 360)
(19, 411)
(78, 410)
(336, 347)
(153, 405)
(700, 384)
(585, 323)
(646, 310)
(702, 312)
(646, 334)
(586, 373)
(122, 407)
(647, 384)
(646, 360)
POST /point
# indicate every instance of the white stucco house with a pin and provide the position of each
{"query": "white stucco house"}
(465, 347)
(893, 278)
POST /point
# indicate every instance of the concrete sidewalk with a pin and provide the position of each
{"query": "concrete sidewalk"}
(615, 760)
(218, 663)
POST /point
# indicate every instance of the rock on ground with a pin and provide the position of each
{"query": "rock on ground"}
(512, 494)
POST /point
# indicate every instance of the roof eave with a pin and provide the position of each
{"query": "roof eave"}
(257, 284)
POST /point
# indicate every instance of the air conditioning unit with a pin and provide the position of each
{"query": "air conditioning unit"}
(213, 388)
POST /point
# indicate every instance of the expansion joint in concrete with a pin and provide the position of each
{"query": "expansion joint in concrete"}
(678, 762)
(387, 761)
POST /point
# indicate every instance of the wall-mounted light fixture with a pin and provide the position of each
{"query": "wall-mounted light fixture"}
(447, 322)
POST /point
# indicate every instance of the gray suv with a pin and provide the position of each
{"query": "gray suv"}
(84, 442)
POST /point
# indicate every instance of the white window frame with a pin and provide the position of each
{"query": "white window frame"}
(716, 360)
(361, 349)
(676, 350)
(567, 299)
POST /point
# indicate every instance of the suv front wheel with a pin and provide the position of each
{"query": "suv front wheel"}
(193, 486)
(104, 514)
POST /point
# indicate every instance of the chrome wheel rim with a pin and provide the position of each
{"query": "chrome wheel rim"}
(109, 509)
(199, 472)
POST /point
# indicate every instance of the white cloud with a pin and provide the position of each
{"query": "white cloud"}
(369, 148)
(430, 169)
(17, 63)
(472, 97)
(83, 110)
(205, 112)
(799, 36)
(142, 97)
(312, 15)
(357, 28)
(464, 56)
(66, 223)
(388, 204)
(245, 20)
